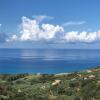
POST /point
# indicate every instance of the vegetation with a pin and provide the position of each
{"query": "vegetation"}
(73, 86)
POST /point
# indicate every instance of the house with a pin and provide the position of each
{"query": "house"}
(91, 76)
(56, 82)
(88, 71)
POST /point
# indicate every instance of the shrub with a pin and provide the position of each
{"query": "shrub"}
(77, 98)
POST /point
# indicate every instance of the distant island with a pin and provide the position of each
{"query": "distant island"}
(83, 85)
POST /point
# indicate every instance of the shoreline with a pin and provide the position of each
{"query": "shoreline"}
(65, 73)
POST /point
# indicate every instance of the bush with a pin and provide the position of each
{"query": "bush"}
(69, 92)
(77, 98)
(74, 84)
(41, 97)
(61, 97)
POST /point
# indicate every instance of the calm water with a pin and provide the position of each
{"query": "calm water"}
(47, 61)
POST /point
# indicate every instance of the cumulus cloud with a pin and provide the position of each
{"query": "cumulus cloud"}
(29, 29)
(12, 38)
(82, 37)
(32, 30)
(73, 23)
(49, 31)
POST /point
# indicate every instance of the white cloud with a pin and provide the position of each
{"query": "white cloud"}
(0, 25)
(12, 38)
(29, 29)
(32, 30)
(40, 18)
(82, 37)
(49, 31)
(73, 23)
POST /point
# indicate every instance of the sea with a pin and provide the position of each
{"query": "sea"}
(47, 61)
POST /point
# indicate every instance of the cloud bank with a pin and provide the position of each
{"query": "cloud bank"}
(33, 30)
(82, 37)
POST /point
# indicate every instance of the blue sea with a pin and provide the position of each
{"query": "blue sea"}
(47, 60)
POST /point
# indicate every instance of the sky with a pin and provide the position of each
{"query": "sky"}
(50, 24)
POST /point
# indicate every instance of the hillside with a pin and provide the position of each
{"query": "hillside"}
(83, 85)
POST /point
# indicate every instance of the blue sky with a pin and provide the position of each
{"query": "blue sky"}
(73, 23)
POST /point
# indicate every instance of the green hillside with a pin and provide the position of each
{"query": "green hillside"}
(83, 85)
